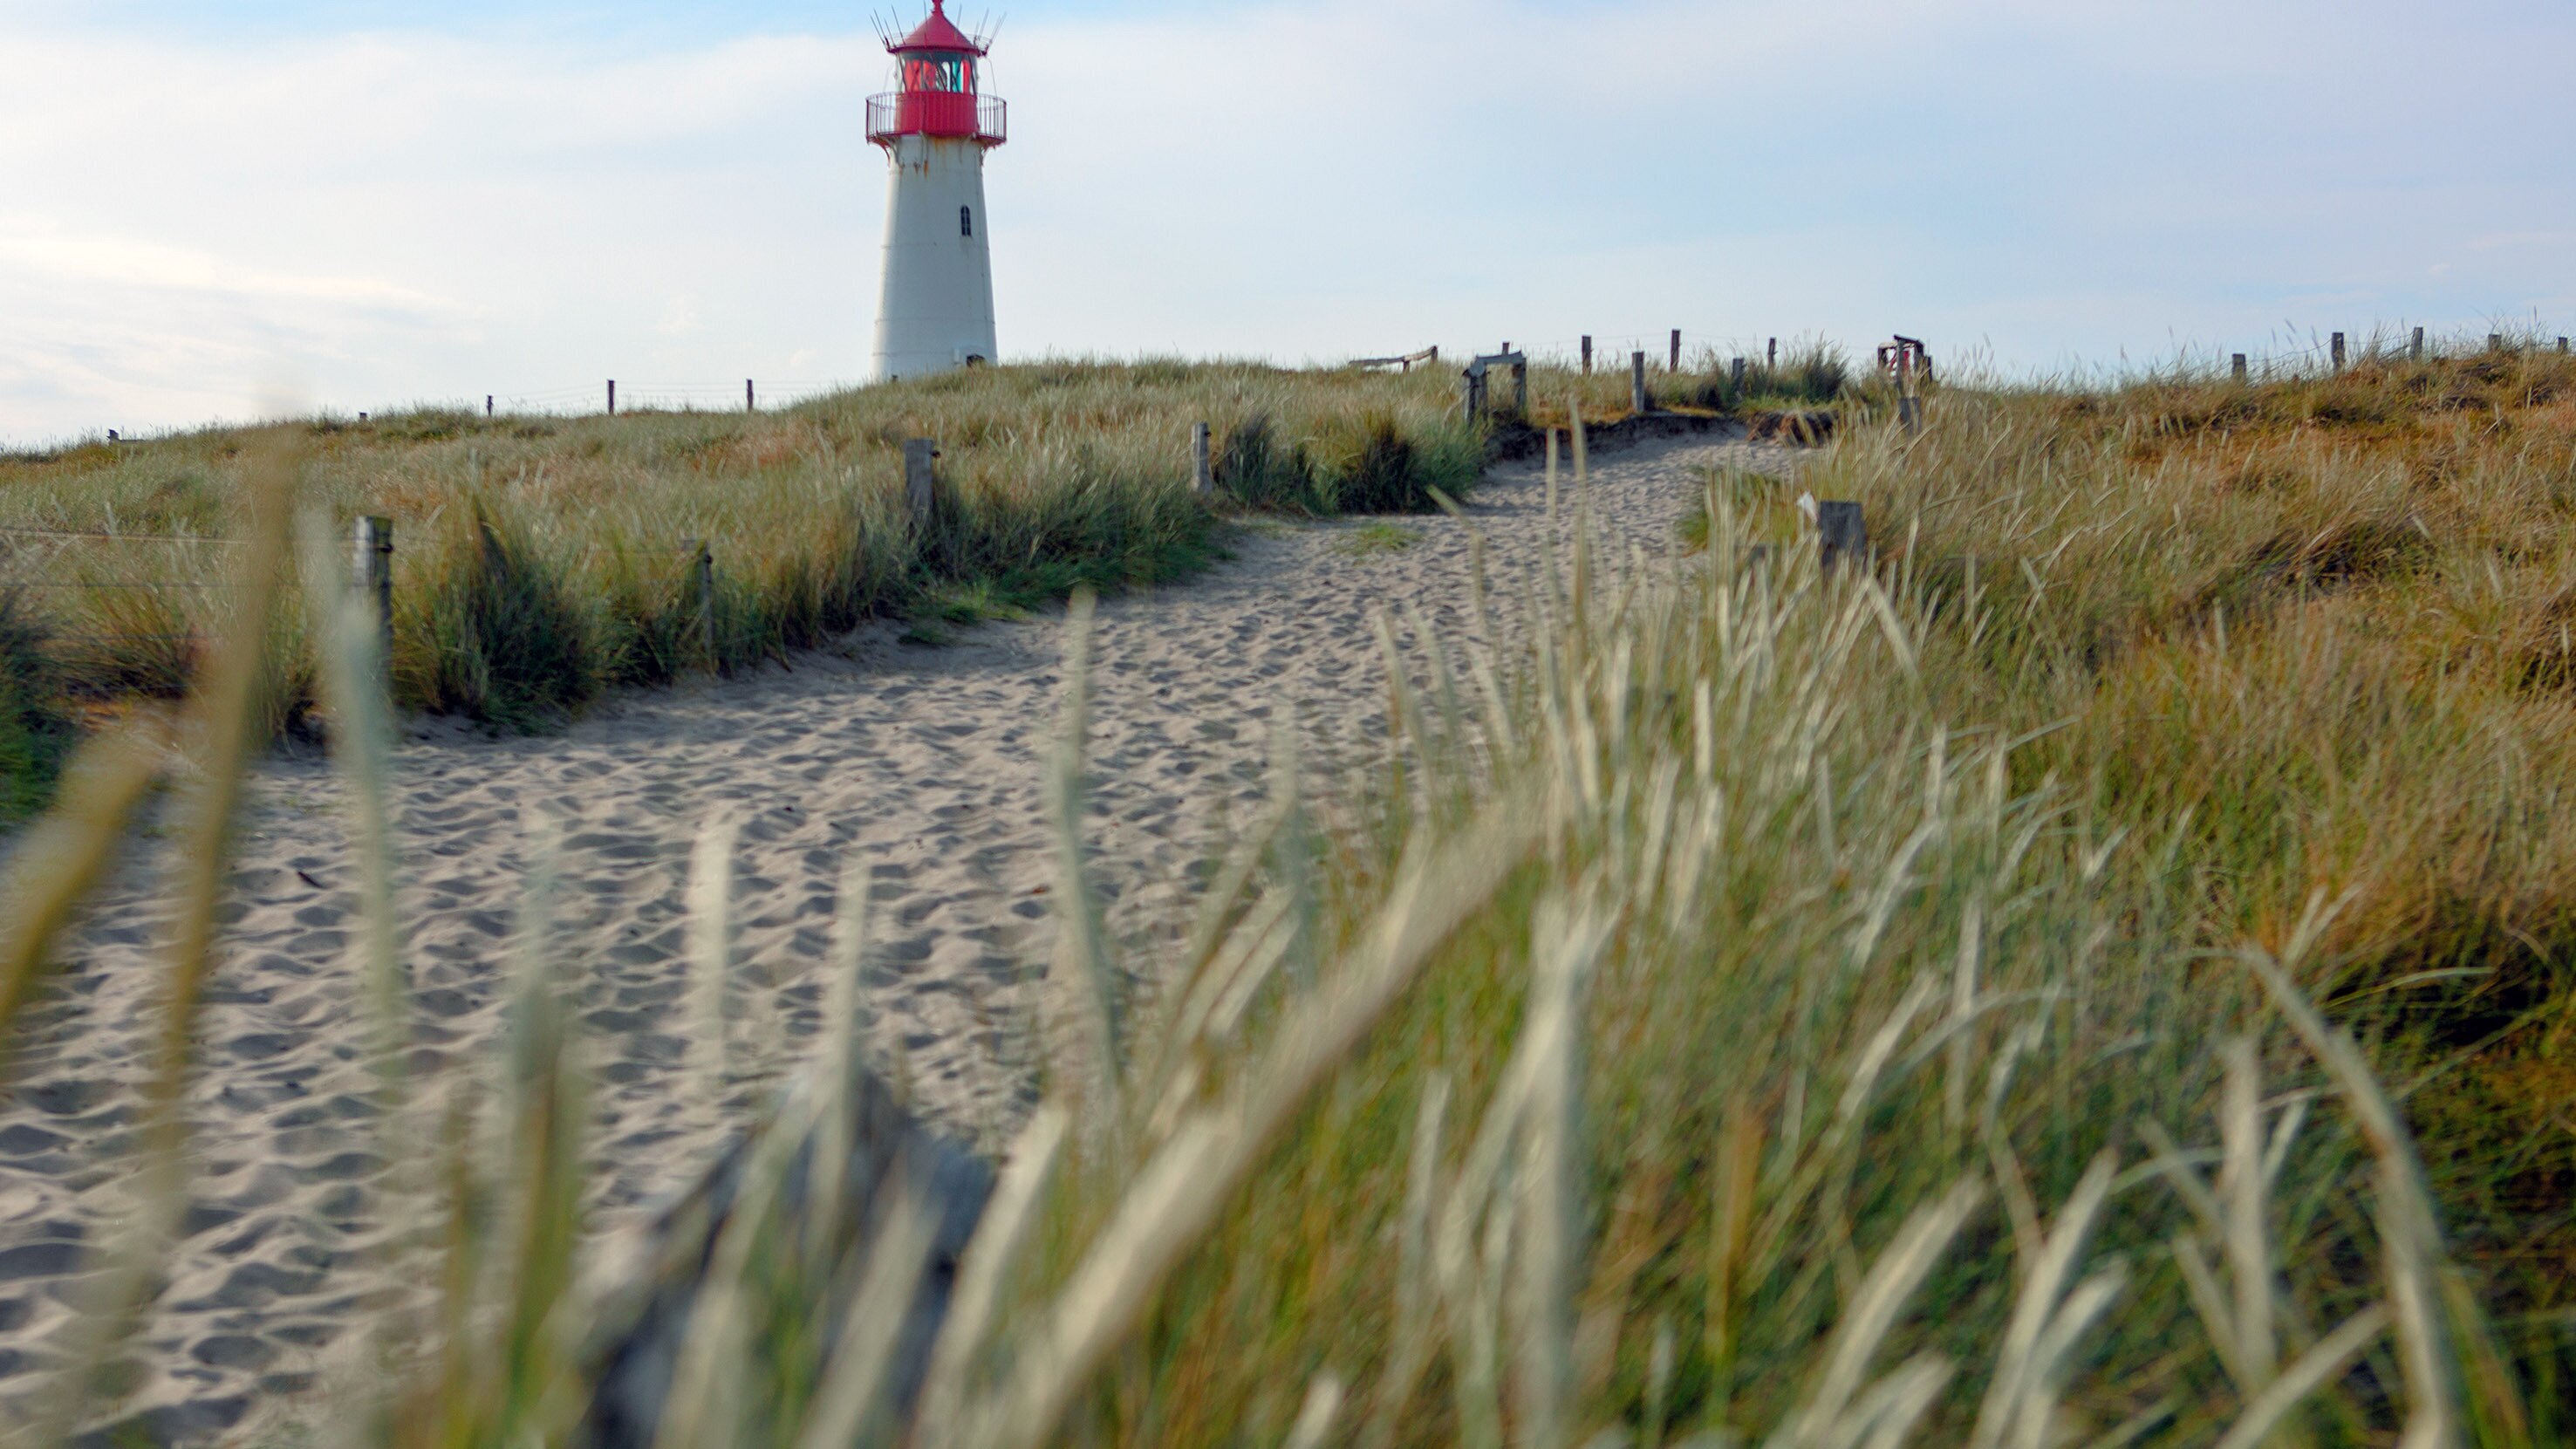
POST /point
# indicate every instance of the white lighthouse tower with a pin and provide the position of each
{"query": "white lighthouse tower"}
(936, 312)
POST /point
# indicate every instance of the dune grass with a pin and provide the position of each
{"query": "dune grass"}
(2319, 628)
(1980, 1000)
(540, 561)
(33, 731)
(1811, 374)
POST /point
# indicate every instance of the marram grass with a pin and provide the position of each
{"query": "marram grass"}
(1746, 1025)
(540, 561)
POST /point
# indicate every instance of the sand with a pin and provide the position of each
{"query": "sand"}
(924, 763)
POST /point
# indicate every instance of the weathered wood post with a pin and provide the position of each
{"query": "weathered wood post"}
(1637, 399)
(2495, 342)
(487, 404)
(1843, 533)
(1774, 354)
(2338, 352)
(750, 399)
(2237, 368)
(1520, 387)
(1474, 381)
(1202, 462)
(1736, 373)
(1909, 413)
(371, 574)
(1587, 357)
(920, 493)
(702, 577)
(612, 397)
(1676, 365)
(2562, 346)
(2415, 347)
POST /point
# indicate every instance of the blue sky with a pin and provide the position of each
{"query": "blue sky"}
(211, 209)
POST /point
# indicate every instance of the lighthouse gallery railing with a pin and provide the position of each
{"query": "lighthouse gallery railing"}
(956, 114)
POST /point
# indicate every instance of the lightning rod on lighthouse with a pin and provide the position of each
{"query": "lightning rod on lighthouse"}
(936, 310)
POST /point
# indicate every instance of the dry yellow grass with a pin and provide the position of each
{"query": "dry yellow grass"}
(2079, 983)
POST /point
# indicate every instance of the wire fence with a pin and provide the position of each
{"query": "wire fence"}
(1612, 351)
(51, 561)
(749, 395)
(54, 564)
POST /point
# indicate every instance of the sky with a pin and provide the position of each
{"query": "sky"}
(218, 209)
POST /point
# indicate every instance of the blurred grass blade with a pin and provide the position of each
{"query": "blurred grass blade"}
(63, 856)
(2310, 1372)
(980, 1274)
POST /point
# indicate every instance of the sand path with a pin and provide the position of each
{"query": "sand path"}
(923, 763)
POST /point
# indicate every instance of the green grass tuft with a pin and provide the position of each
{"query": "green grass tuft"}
(34, 735)
(1375, 539)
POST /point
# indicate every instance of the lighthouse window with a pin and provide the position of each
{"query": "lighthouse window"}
(965, 221)
(951, 73)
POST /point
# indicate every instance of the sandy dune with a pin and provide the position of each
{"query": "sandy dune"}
(923, 763)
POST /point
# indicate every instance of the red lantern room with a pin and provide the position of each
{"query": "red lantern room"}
(938, 66)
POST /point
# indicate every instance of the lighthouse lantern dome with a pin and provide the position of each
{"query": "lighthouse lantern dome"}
(938, 68)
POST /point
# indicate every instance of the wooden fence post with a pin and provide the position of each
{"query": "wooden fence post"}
(750, 399)
(920, 492)
(1676, 366)
(1844, 533)
(1637, 399)
(1520, 388)
(2562, 346)
(1587, 357)
(372, 573)
(1202, 465)
(487, 404)
(702, 576)
(2338, 352)
(612, 397)
(1909, 413)
(1774, 354)
(1736, 372)
(2238, 368)
(2495, 342)
(2415, 348)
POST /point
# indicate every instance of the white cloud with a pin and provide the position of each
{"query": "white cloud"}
(395, 217)
(131, 262)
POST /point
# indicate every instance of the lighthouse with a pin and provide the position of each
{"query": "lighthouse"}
(936, 310)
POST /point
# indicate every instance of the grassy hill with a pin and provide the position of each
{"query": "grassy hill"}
(540, 560)
(2098, 976)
